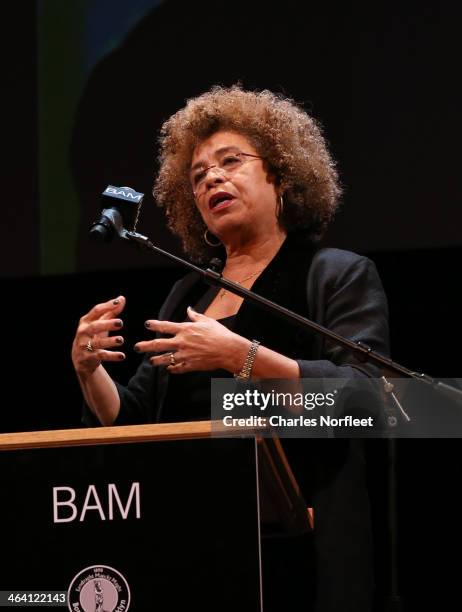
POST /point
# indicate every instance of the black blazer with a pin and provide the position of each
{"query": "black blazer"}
(335, 288)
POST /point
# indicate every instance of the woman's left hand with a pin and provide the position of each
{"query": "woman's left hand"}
(202, 344)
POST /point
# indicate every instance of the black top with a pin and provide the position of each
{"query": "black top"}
(189, 398)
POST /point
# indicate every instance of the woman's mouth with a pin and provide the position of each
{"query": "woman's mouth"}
(220, 200)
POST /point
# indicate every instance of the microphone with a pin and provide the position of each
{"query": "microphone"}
(120, 209)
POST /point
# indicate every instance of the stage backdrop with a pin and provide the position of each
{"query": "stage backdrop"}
(95, 80)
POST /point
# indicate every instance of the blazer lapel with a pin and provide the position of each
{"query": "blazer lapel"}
(183, 291)
(284, 281)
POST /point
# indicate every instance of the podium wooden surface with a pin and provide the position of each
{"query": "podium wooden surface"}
(106, 435)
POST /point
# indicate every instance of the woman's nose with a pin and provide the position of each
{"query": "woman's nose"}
(215, 175)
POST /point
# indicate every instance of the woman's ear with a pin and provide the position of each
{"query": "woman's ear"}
(271, 175)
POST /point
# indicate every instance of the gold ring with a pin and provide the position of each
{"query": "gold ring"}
(172, 359)
(89, 347)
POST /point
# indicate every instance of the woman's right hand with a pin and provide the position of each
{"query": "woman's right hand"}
(92, 342)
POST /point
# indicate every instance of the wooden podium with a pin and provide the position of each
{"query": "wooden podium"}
(147, 517)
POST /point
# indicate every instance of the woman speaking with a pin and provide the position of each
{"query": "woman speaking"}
(247, 177)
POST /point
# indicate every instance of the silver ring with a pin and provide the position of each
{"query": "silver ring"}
(89, 347)
(172, 359)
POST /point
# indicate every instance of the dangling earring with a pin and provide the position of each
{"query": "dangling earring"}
(208, 241)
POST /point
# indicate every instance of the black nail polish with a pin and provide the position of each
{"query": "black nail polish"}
(115, 302)
(121, 357)
(136, 349)
(147, 324)
(119, 340)
(118, 323)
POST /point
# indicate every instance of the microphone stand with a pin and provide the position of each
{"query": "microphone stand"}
(360, 349)
(364, 354)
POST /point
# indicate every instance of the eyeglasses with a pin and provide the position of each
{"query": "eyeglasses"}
(227, 165)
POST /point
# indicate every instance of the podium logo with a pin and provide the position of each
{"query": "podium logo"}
(98, 588)
(66, 509)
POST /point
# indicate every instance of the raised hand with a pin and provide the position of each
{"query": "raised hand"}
(92, 342)
(201, 344)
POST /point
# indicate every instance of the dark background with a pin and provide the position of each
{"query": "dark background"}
(382, 80)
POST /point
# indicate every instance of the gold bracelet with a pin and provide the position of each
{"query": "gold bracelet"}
(246, 371)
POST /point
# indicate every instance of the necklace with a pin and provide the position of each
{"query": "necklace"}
(224, 291)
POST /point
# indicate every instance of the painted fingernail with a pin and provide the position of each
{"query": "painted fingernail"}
(147, 324)
(119, 340)
(121, 357)
(115, 302)
(137, 349)
(118, 323)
